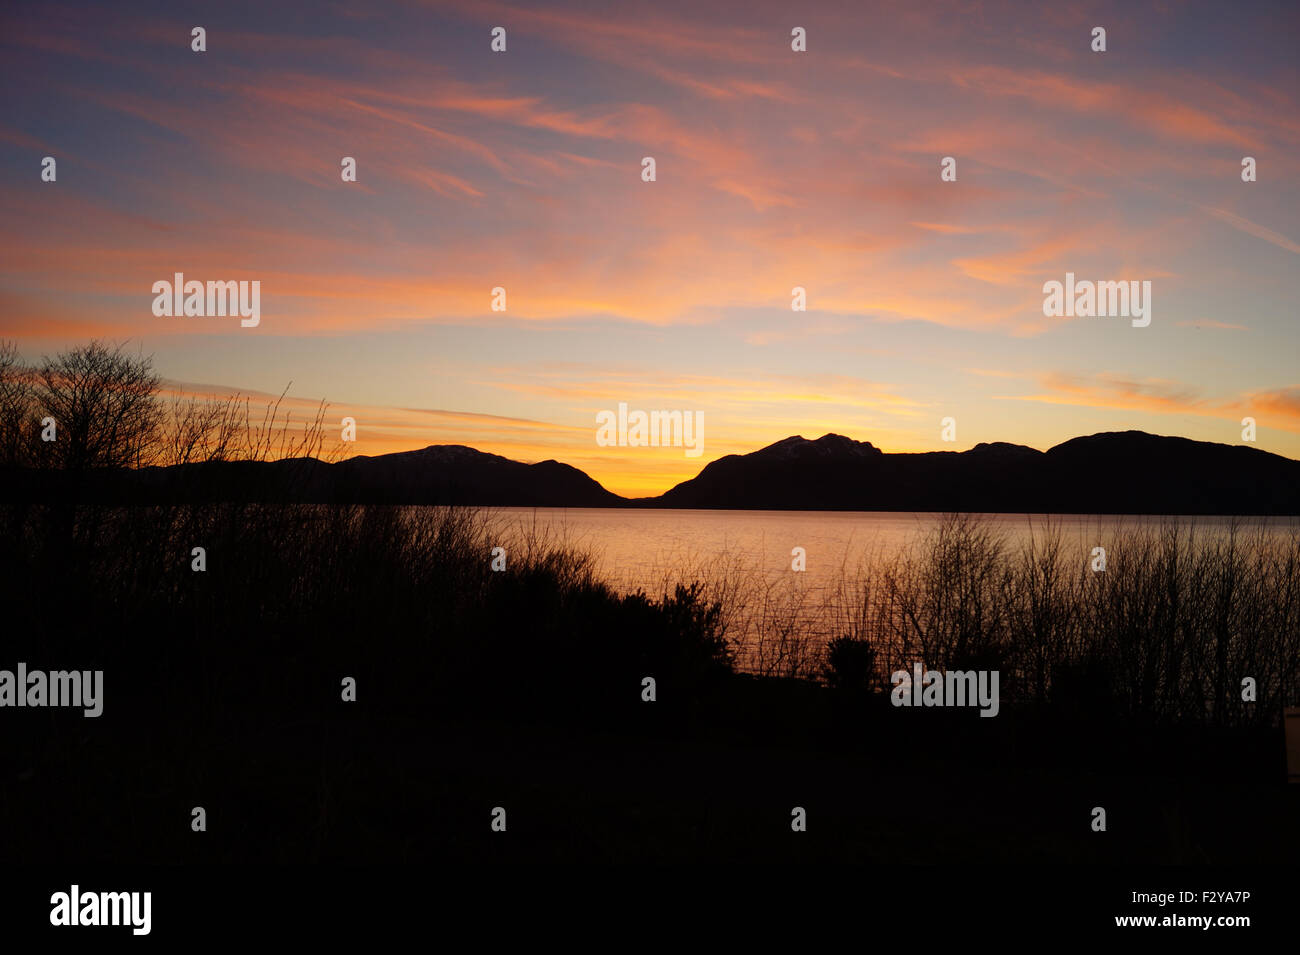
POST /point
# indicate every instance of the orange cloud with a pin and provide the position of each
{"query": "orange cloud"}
(1165, 397)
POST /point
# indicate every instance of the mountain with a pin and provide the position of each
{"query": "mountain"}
(838, 473)
(1128, 472)
(440, 474)
(453, 473)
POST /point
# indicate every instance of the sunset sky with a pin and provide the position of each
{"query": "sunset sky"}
(775, 169)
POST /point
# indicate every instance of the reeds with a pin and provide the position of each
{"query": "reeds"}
(1181, 620)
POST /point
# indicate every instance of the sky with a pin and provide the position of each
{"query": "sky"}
(774, 169)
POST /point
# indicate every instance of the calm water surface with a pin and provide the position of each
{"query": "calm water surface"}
(646, 548)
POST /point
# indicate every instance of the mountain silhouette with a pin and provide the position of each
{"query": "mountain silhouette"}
(440, 474)
(1129, 472)
(454, 474)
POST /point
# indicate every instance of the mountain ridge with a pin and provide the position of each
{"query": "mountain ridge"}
(1123, 472)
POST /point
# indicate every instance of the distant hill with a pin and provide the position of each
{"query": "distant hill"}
(453, 473)
(1128, 472)
(440, 474)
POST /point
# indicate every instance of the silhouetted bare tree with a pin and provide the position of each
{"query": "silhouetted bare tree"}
(105, 406)
(15, 406)
(197, 430)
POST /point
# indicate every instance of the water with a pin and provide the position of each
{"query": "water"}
(780, 621)
(637, 548)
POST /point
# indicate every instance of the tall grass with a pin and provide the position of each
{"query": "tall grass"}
(1179, 618)
(295, 597)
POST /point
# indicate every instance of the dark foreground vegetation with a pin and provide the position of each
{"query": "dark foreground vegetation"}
(523, 688)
